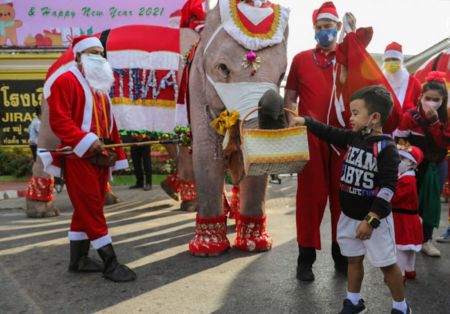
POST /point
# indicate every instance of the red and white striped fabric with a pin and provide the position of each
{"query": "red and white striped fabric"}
(145, 60)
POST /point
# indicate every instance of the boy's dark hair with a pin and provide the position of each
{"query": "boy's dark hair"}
(442, 89)
(377, 99)
(37, 110)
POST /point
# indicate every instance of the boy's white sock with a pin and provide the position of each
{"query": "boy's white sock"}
(401, 306)
(354, 297)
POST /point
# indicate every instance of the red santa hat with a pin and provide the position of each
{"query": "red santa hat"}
(326, 11)
(8, 2)
(83, 42)
(393, 50)
(412, 153)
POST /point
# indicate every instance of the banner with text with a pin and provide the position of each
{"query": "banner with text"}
(18, 100)
(46, 23)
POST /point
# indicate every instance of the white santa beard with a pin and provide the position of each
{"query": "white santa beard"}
(396, 80)
(99, 76)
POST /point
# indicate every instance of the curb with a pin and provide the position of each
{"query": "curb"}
(9, 194)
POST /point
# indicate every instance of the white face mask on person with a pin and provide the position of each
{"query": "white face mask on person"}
(431, 104)
(98, 72)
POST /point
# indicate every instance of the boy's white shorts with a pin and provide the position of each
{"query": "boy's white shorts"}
(380, 248)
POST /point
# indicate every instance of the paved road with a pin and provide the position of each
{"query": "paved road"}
(151, 236)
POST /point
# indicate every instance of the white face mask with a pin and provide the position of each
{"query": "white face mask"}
(242, 96)
(367, 129)
(431, 104)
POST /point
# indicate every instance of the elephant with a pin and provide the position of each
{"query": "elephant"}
(225, 66)
(41, 183)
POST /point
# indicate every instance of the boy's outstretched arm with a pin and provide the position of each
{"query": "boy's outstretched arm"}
(332, 135)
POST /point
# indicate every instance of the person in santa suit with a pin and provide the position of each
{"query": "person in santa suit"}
(311, 80)
(405, 207)
(406, 87)
(80, 116)
(193, 15)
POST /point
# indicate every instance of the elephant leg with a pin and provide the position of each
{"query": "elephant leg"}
(170, 185)
(39, 195)
(210, 232)
(251, 233)
(185, 169)
(110, 197)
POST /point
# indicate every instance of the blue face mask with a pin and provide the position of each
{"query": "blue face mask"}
(326, 37)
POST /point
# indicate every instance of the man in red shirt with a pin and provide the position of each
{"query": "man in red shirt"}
(80, 116)
(312, 79)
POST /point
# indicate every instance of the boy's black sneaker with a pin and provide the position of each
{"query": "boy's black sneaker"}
(395, 311)
(350, 308)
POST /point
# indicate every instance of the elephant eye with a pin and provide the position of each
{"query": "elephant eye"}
(224, 69)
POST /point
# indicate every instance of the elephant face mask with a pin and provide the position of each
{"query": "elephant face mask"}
(241, 96)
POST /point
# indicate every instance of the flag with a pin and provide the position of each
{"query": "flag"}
(439, 62)
(362, 71)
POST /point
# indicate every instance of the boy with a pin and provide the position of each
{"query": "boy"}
(367, 184)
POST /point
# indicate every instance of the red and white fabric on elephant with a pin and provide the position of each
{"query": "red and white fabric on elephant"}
(40, 189)
(254, 27)
(145, 91)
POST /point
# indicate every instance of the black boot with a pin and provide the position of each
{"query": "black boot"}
(306, 258)
(80, 262)
(340, 261)
(113, 270)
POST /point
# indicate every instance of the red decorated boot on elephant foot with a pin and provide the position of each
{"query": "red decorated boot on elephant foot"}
(210, 236)
(171, 186)
(188, 196)
(235, 203)
(251, 234)
(39, 198)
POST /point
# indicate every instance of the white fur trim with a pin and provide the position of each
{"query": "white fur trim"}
(393, 54)
(328, 16)
(88, 105)
(47, 160)
(158, 60)
(399, 133)
(409, 173)
(199, 28)
(77, 236)
(86, 44)
(49, 82)
(120, 164)
(246, 41)
(101, 242)
(407, 155)
(409, 247)
(181, 115)
(83, 146)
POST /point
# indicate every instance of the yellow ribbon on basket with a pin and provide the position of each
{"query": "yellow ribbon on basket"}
(225, 121)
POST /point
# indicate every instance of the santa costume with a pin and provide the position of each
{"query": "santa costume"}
(405, 208)
(80, 116)
(405, 86)
(312, 76)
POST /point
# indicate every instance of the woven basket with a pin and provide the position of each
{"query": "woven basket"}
(274, 151)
